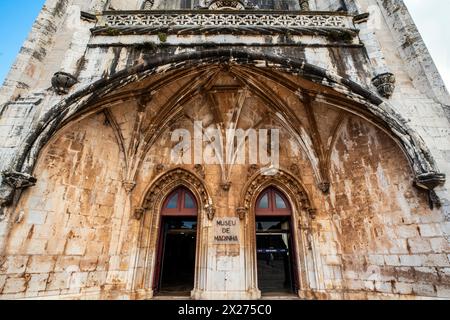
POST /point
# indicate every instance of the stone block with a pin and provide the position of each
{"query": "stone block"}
(14, 265)
(15, 285)
(430, 230)
(41, 264)
(419, 245)
(58, 281)
(37, 283)
(411, 260)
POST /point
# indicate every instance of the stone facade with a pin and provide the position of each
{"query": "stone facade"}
(88, 111)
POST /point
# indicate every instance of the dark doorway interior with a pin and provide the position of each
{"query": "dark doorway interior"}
(178, 252)
(275, 255)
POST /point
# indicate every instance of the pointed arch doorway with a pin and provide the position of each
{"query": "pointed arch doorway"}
(177, 244)
(275, 247)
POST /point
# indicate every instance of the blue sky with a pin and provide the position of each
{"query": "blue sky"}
(17, 17)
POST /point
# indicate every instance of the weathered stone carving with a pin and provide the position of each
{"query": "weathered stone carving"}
(325, 187)
(210, 211)
(62, 82)
(18, 180)
(429, 182)
(304, 5)
(241, 212)
(226, 186)
(200, 170)
(129, 186)
(248, 22)
(177, 177)
(148, 5)
(139, 213)
(226, 5)
(385, 84)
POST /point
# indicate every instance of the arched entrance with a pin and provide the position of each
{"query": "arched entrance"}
(275, 244)
(177, 247)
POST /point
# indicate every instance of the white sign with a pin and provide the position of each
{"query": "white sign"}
(226, 230)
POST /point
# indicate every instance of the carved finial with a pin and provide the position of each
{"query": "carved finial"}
(252, 170)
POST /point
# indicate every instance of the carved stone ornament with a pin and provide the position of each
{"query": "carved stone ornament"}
(304, 5)
(241, 212)
(226, 5)
(62, 82)
(18, 180)
(210, 212)
(428, 182)
(325, 187)
(139, 213)
(129, 186)
(226, 186)
(385, 84)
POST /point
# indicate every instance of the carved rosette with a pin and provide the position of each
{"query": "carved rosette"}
(385, 84)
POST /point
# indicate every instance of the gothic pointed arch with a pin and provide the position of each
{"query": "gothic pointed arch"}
(309, 270)
(149, 217)
(166, 183)
(335, 90)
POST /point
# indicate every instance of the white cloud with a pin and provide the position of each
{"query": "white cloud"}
(432, 20)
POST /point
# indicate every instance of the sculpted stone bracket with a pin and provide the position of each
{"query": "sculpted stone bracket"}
(18, 180)
(12, 181)
(428, 182)
(385, 84)
(62, 82)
